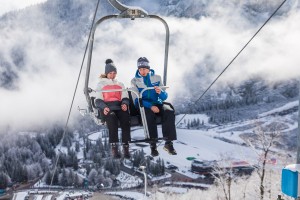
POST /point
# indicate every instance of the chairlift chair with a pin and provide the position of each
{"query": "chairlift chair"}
(137, 117)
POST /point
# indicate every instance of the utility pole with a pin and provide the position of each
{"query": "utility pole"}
(298, 136)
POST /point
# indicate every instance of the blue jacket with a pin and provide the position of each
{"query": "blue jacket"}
(150, 97)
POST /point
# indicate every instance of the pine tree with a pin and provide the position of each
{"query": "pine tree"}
(92, 177)
(4, 180)
(76, 181)
(77, 146)
(162, 166)
(48, 177)
(63, 179)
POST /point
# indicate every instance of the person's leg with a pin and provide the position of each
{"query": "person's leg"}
(153, 148)
(151, 123)
(124, 119)
(152, 128)
(112, 125)
(169, 130)
(168, 124)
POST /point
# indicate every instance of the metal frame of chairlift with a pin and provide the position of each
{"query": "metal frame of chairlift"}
(131, 13)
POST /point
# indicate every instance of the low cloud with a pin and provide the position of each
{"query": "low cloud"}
(11, 5)
(47, 81)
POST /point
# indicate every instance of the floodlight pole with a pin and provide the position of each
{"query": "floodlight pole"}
(145, 179)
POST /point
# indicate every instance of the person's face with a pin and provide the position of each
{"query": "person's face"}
(144, 71)
(111, 75)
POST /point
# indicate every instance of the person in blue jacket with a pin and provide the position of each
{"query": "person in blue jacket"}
(152, 101)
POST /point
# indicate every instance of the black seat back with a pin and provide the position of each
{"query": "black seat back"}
(99, 113)
(135, 117)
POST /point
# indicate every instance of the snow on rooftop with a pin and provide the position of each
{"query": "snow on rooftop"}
(62, 196)
(20, 196)
(176, 190)
(48, 197)
(128, 181)
(38, 197)
(128, 194)
(293, 167)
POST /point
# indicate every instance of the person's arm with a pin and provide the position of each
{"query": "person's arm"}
(134, 87)
(163, 95)
(136, 91)
(124, 97)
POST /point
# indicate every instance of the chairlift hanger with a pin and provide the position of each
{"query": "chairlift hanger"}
(126, 12)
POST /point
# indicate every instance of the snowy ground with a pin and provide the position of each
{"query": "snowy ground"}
(193, 143)
(202, 144)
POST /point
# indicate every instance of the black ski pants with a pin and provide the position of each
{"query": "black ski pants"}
(168, 123)
(112, 120)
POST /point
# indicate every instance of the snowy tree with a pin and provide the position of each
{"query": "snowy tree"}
(34, 171)
(113, 166)
(92, 177)
(77, 146)
(224, 177)
(49, 177)
(77, 182)
(265, 138)
(63, 180)
(4, 180)
(138, 157)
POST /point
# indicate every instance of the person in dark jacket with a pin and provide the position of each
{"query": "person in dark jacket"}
(114, 106)
(152, 101)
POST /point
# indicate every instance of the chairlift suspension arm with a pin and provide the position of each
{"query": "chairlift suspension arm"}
(88, 69)
(136, 12)
(118, 5)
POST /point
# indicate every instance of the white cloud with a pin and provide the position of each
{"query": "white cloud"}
(10, 5)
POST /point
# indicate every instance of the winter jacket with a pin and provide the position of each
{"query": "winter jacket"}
(150, 97)
(113, 100)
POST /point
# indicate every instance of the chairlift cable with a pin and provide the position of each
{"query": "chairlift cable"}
(235, 57)
(71, 106)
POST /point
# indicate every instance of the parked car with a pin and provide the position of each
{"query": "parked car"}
(172, 168)
(203, 167)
